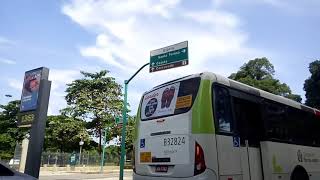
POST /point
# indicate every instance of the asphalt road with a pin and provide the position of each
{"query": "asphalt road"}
(78, 176)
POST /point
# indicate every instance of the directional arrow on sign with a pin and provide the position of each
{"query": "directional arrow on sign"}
(169, 57)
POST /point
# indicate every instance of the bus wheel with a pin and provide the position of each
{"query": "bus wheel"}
(299, 173)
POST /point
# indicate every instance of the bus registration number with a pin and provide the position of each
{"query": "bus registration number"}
(174, 141)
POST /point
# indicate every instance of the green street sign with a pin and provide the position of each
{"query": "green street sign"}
(169, 57)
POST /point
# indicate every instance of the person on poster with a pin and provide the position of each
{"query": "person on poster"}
(30, 91)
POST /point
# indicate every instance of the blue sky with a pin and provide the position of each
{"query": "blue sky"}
(117, 35)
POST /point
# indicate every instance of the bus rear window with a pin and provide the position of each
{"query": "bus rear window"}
(171, 99)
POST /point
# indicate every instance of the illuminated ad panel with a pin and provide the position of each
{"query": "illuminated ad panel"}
(30, 90)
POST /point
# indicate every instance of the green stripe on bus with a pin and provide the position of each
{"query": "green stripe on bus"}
(202, 115)
(276, 167)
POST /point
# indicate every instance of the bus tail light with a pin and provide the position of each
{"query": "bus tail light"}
(317, 113)
(199, 161)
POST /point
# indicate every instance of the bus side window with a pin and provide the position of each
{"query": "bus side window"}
(277, 124)
(223, 109)
(249, 124)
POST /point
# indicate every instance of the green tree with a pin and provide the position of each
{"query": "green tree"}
(115, 131)
(64, 134)
(9, 132)
(113, 153)
(259, 73)
(312, 85)
(257, 69)
(130, 133)
(97, 96)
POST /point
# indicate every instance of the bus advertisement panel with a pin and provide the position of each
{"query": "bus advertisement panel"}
(30, 90)
(161, 102)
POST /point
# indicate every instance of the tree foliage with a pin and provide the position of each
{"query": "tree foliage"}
(130, 130)
(259, 73)
(64, 133)
(10, 134)
(114, 150)
(130, 133)
(312, 85)
(93, 103)
(97, 96)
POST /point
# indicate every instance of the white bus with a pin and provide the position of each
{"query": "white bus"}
(205, 126)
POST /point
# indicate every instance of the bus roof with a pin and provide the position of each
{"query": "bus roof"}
(243, 87)
(255, 91)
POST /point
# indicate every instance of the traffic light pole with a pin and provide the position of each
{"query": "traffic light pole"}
(124, 115)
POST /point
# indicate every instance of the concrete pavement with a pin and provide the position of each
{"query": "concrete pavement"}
(83, 176)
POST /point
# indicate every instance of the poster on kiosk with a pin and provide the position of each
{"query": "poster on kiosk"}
(30, 90)
(30, 95)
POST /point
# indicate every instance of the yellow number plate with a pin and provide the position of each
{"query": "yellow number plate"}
(145, 157)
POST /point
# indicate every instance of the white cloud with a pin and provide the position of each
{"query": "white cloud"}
(215, 18)
(7, 61)
(127, 31)
(59, 79)
(15, 84)
(4, 40)
(292, 7)
(115, 9)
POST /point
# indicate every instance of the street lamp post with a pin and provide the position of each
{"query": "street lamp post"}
(80, 144)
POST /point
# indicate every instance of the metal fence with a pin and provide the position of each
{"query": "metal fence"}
(87, 159)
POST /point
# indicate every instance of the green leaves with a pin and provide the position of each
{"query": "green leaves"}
(259, 73)
(258, 69)
(97, 97)
(93, 103)
(312, 85)
(64, 133)
(9, 132)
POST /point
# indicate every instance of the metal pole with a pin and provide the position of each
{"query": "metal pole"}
(124, 124)
(80, 155)
(136, 73)
(103, 151)
(123, 134)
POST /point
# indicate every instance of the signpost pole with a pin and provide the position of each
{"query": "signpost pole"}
(124, 114)
(123, 134)
(160, 59)
(104, 150)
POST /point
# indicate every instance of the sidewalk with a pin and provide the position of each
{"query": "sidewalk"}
(47, 171)
(83, 173)
(79, 176)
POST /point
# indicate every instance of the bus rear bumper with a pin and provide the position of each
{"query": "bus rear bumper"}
(206, 175)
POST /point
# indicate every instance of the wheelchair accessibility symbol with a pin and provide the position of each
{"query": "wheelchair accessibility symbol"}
(142, 143)
(236, 141)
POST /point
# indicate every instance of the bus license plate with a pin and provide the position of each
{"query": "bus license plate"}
(174, 141)
(161, 168)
